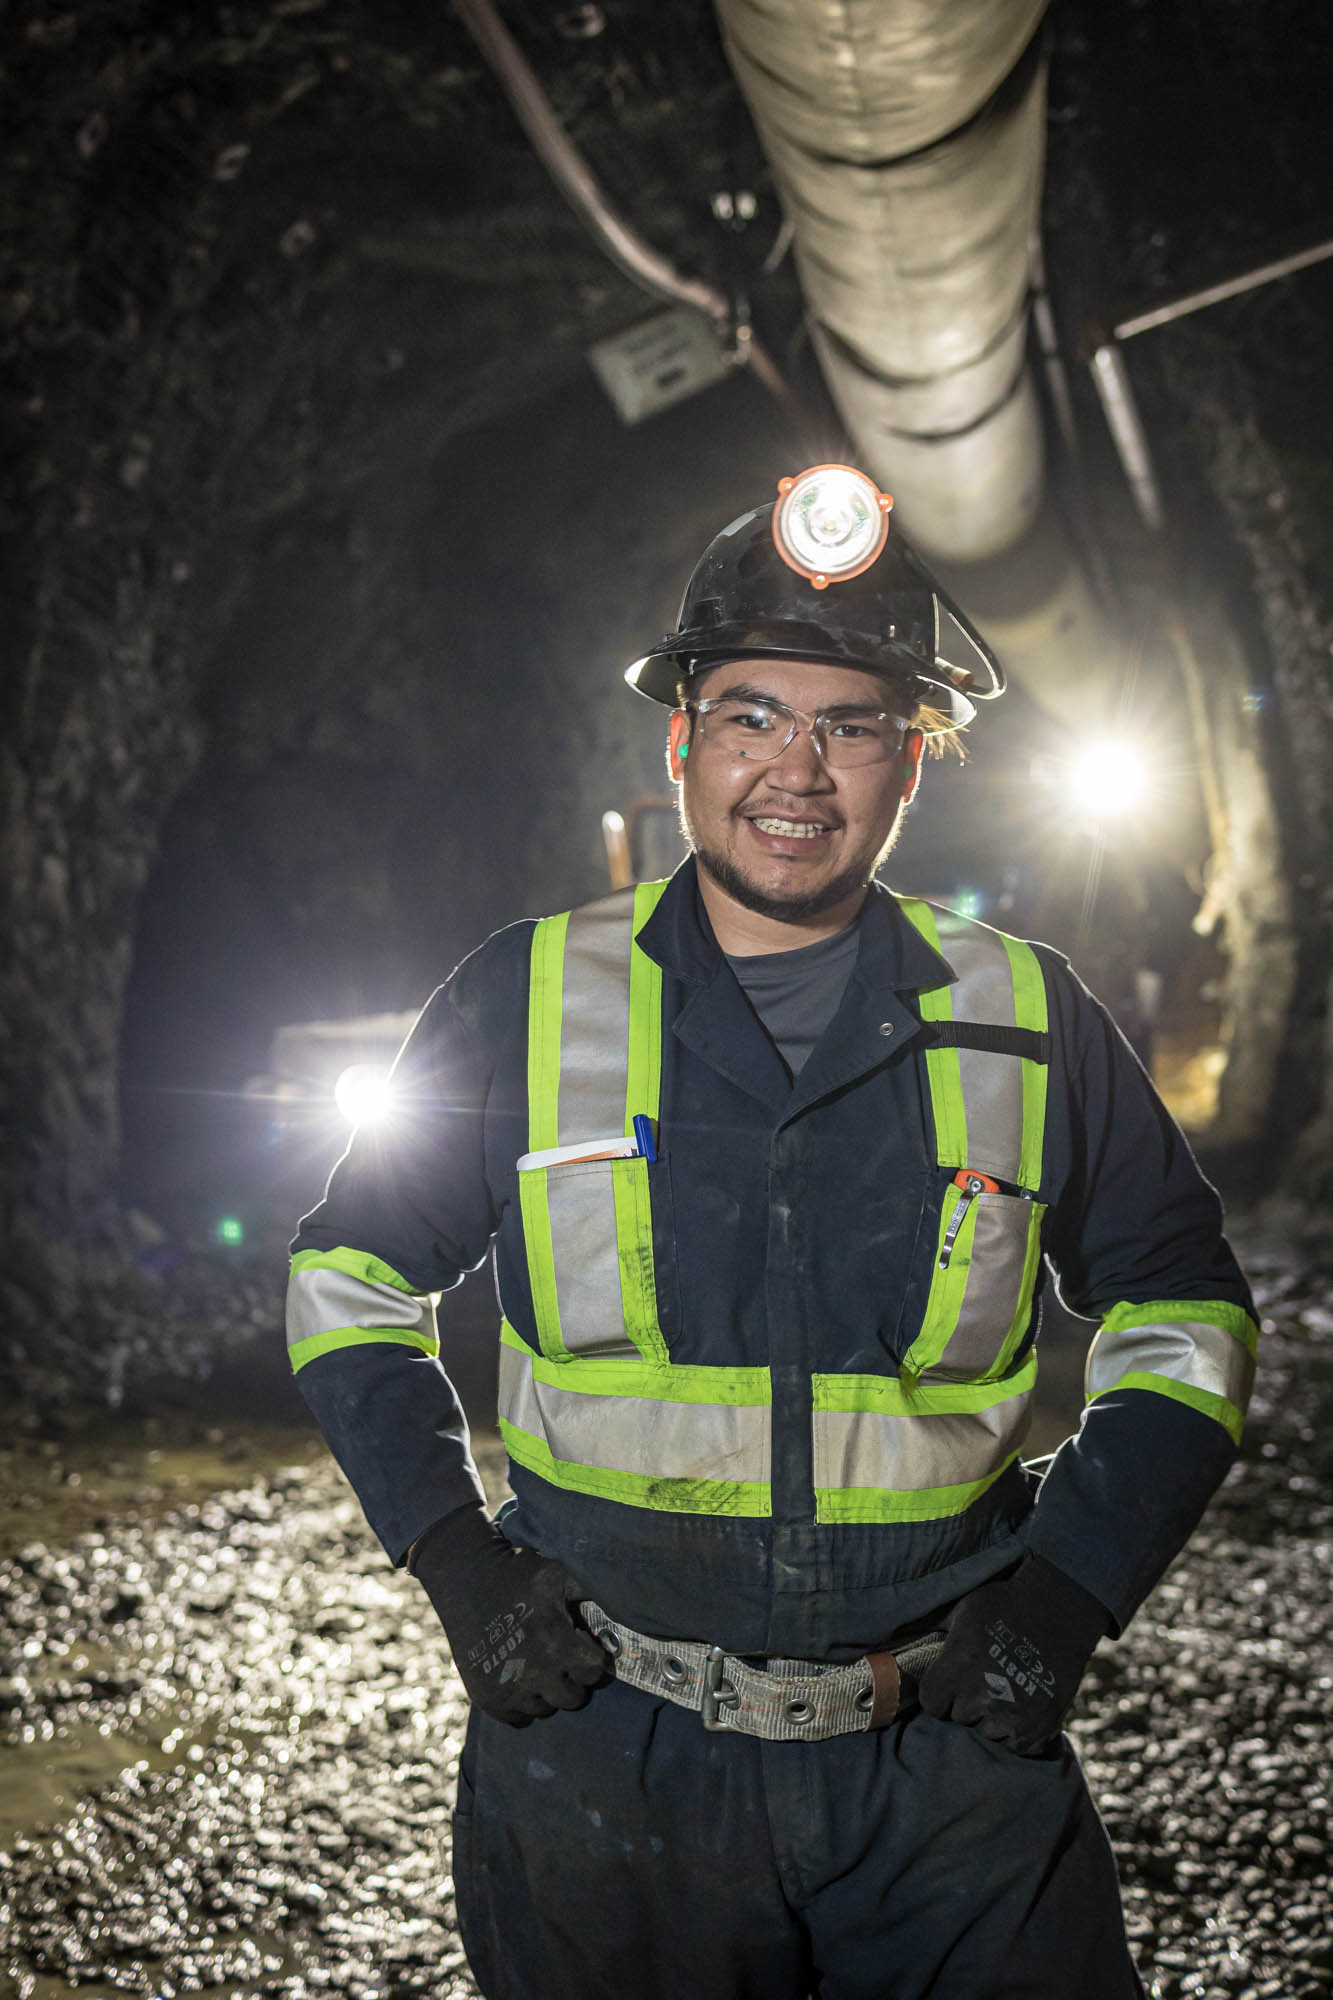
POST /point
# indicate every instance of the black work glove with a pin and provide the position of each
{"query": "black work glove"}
(505, 1613)
(1014, 1655)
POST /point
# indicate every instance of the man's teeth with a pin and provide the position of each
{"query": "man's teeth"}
(791, 829)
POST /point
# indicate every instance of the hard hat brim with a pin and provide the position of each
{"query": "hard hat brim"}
(685, 655)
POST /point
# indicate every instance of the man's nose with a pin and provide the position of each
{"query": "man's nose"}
(800, 765)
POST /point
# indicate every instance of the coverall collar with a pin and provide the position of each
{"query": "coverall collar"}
(716, 1022)
(679, 938)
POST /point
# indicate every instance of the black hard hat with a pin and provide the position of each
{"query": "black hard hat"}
(750, 598)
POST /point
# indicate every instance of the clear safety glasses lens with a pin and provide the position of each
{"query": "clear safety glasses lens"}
(761, 730)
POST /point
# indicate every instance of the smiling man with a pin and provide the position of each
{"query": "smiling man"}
(770, 1653)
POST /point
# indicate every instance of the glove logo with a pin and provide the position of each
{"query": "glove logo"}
(1021, 1661)
(1001, 1688)
(503, 1636)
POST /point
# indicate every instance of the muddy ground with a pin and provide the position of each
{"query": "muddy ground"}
(230, 1732)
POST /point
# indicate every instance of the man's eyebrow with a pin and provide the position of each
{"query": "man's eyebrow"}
(746, 691)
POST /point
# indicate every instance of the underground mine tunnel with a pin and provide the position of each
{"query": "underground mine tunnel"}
(374, 378)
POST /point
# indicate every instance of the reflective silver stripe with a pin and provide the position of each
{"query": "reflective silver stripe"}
(997, 1282)
(322, 1300)
(1191, 1352)
(641, 1435)
(876, 1449)
(992, 1084)
(594, 1028)
(584, 1243)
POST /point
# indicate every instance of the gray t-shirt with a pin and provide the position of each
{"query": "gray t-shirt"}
(796, 993)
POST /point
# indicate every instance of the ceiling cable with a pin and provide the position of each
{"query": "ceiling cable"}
(572, 175)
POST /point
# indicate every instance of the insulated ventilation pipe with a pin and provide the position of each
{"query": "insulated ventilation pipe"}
(906, 141)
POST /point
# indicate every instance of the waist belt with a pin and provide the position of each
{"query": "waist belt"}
(785, 1701)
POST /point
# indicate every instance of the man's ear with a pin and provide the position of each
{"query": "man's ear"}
(678, 745)
(913, 745)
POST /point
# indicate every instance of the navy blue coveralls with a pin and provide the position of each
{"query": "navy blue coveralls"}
(920, 1861)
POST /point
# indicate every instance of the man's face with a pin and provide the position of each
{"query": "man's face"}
(792, 838)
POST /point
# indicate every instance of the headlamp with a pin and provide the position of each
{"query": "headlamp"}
(830, 523)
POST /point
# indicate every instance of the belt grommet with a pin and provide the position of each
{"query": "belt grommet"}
(866, 1700)
(674, 1670)
(609, 1640)
(799, 1711)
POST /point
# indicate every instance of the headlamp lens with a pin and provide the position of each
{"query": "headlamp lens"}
(830, 523)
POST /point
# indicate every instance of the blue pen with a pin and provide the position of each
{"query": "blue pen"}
(643, 1136)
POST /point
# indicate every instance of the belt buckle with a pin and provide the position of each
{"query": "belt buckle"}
(718, 1693)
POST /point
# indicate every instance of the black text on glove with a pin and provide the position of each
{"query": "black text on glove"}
(506, 1615)
(1015, 1653)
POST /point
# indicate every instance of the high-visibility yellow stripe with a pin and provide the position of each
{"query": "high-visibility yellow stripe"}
(643, 1072)
(732, 1499)
(302, 1351)
(887, 1395)
(947, 1287)
(354, 1263)
(1030, 1012)
(839, 1506)
(664, 1382)
(1018, 1325)
(544, 1025)
(1224, 1313)
(534, 1207)
(1218, 1408)
(630, 1178)
(546, 974)
(942, 1067)
(634, 1255)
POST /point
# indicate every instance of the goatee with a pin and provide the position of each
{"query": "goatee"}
(784, 909)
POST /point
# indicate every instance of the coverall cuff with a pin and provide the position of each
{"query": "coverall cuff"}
(1065, 1575)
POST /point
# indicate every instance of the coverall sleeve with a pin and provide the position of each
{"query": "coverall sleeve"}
(408, 1209)
(1136, 1244)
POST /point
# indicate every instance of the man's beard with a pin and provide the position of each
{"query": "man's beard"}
(786, 909)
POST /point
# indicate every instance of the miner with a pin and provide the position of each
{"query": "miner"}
(769, 1654)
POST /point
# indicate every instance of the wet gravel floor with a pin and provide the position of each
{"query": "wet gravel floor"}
(284, 1726)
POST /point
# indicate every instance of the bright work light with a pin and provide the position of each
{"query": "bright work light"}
(362, 1093)
(1109, 780)
(830, 523)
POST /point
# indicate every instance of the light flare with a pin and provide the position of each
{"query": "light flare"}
(363, 1094)
(1109, 780)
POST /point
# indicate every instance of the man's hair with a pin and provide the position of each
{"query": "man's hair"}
(940, 735)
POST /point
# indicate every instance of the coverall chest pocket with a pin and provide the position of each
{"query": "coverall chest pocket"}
(588, 1233)
(987, 1255)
